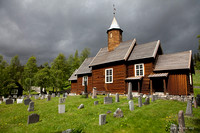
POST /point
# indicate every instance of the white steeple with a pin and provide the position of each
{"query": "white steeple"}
(114, 24)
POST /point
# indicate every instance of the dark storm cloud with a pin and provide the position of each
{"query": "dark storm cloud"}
(46, 28)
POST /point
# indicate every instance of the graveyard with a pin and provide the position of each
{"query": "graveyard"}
(157, 116)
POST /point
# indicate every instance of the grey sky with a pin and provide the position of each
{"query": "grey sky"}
(45, 28)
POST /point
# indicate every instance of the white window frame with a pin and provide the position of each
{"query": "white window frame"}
(106, 75)
(190, 77)
(83, 80)
(139, 69)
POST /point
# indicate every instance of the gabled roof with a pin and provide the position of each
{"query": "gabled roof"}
(84, 68)
(146, 50)
(73, 76)
(180, 60)
(120, 53)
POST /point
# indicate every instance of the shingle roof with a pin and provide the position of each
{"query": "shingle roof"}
(180, 60)
(146, 50)
(73, 76)
(120, 53)
(84, 68)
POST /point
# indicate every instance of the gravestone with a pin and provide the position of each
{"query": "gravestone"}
(181, 121)
(141, 94)
(40, 95)
(156, 97)
(108, 95)
(189, 108)
(117, 97)
(118, 113)
(107, 100)
(96, 102)
(33, 118)
(195, 102)
(173, 128)
(19, 101)
(31, 106)
(15, 96)
(81, 106)
(139, 101)
(61, 108)
(53, 95)
(36, 97)
(27, 101)
(9, 101)
(130, 96)
(94, 94)
(153, 98)
(102, 119)
(131, 105)
(65, 94)
(58, 95)
(61, 100)
(48, 97)
(198, 100)
(67, 131)
(146, 101)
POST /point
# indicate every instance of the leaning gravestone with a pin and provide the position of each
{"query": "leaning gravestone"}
(9, 101)
(189, 108)
(102, 119)
(140, 101)
(181, 121)
(131, 105)
(107, 100)
(118, 113)
(81, 106)
(27, 101)
(19, 101)
(146, 101)
(33, 118)
(61, 108)
(130, 96)
(117, 97)
(96, 102)
(31, 106)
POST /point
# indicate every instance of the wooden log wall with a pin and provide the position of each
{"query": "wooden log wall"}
(81, 88)
(74, 86)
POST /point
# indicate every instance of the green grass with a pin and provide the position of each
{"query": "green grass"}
(196, 91)
(150, 118)
(196, 78)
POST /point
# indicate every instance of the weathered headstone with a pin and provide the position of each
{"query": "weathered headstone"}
(96, 102)
(48, 97)
(27, 101)
(19, 101)
(173, 128)
(189, 108)
(94, 94)
(181, 121)
(118, 113)
(107, 100)
(61, 100)
(31, 106)
(131, 105)
(53, 95)
(58, 94)
(130, 96)
(117, 97)
(9, 101)
(81, 106)
(102, 119)
(146, 101)
(140, 101)
(61, 108)
(33, 118)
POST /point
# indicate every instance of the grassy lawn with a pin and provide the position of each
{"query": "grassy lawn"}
(196, 78)
(150, 118)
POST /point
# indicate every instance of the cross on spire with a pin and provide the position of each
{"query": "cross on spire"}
(114, 10)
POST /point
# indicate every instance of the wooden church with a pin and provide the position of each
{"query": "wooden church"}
(142, 66)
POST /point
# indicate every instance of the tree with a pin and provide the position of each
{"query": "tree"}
(84, 54)
(197, 56)
(43, 77)
(30, 69)
(3, 75)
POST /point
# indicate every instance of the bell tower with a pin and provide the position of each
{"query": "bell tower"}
(114, 34)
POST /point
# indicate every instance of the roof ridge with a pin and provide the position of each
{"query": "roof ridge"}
(130, 49)
(156, 48)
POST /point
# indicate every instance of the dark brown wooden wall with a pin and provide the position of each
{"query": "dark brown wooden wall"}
(82, 88)
(148, 69)
(74, 86)
(119, 75)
